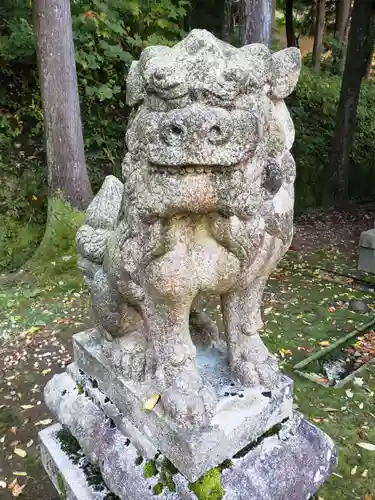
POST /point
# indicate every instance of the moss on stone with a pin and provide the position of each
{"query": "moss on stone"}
(61, 487)
(149, 469)
(71, 447)
(57, 253)
(208, 487)
(168, 470)
(80, 388)
(158, 489)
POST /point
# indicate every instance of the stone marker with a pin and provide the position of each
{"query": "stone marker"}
(206, 208)
(366, 260)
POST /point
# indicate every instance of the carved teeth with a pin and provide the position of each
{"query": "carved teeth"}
(190, 169)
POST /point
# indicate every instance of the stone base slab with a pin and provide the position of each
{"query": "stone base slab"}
(292, 465)
(242, 414)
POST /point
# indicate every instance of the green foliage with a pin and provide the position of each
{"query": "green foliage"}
(18, 242)
(313, 108)
(208, 487)
(108, 35)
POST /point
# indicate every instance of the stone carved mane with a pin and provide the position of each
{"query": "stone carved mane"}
(206, 207)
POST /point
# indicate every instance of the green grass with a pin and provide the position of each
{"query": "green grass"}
(300, 318)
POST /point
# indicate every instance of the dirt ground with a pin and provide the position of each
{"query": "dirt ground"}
(35, 353)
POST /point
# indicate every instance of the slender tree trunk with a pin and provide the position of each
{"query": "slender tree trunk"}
(361, 38)
(227, 21)
(67, 173)
(319, 34)
(341, 31)
(368, 70)
(257, 22)
(344, 44)
(289, 24)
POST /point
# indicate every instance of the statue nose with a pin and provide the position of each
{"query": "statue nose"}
(179, 131)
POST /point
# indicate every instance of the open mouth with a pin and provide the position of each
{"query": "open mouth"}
(191, 169)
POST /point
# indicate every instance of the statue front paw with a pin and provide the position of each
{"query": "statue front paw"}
(189, 402)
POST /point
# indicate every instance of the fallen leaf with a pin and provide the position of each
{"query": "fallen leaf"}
(46, 371)
(316, 420)
(151, 402)
(360, 406)
(349, 393)
(30, 443)
(358, 381)
(47, 421)
(27, 407)
(17, 490)
(16, 473)
(3, 484)
(13, 430)
(332, 309)
(20, 452)
(12, 484)
(354, 471)
(367, 446)
(364, 473)
(324, 343)
(268, 310)
(330, 409)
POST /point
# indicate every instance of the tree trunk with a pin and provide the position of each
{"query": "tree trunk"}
(319, 34)
(257, 22)
(289, 24)
(368, 70)
(361, 38)
(227, 21)
(341, 31)
(67, 173)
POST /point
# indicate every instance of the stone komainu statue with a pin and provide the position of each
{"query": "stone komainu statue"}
(206, 207)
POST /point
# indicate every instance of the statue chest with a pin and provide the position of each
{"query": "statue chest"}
(193, 262)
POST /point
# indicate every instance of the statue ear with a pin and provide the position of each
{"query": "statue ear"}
(135, 89)
(286, 67)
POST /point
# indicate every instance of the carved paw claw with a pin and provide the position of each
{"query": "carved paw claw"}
(188, 401)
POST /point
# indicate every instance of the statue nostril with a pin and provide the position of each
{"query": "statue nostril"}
(172, 134)
(176, 130)
(217, 134)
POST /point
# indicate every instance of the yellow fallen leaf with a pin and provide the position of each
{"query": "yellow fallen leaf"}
(34, 197)
(30, 443)
(16, 473)
(3, 484)
(324, 343)
(47, 421)
(46, 371)
(27, 407)
(33, 330)
(151, 402)
(20, 452)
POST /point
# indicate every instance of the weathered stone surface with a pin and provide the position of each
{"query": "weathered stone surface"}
(241, 414)
(207, 206)
(366, 260)
(292, 465)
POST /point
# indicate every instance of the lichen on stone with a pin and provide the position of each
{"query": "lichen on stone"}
(208, 486)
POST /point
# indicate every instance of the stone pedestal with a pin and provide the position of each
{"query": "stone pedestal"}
(273, 452)
(366, 260)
